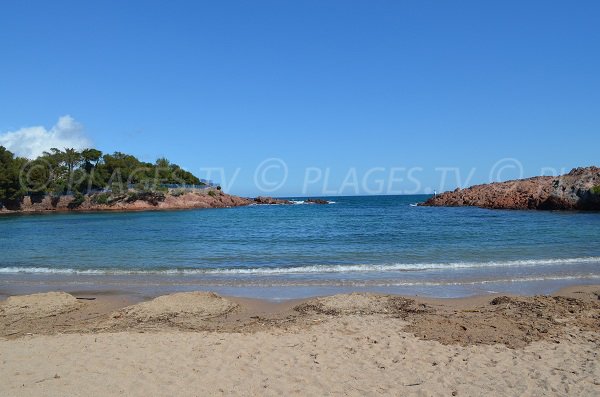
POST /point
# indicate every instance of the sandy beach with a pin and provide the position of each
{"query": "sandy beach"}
(193, 344)
(299, 198)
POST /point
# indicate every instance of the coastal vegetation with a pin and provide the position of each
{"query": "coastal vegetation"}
(61, 172)
(10, 189)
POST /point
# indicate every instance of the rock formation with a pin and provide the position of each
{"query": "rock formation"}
(270, 200)
(140, 201)
(316, 201)
(131, 201)
(577, 190)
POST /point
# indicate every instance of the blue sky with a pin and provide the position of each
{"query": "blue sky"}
(394, 86)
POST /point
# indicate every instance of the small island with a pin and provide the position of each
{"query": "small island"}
(577, 190)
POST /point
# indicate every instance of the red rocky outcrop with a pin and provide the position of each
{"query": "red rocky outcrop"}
(577, 190)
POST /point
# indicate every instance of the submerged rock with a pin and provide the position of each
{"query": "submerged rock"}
(270, 200)
(316, 201)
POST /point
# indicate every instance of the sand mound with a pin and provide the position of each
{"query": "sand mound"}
(359, 303)
(184, 308)
(39, 305)
(512, 321)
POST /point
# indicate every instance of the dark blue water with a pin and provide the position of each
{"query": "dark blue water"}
(375, 243)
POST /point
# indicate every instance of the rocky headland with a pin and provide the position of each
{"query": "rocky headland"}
(577, 190)
(140, 201)
(131, 201)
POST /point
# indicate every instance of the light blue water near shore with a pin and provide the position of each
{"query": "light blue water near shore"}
(358, 243)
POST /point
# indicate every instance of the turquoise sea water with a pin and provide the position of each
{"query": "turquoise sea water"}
(377, 243)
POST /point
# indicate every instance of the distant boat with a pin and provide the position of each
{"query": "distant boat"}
(414, 205)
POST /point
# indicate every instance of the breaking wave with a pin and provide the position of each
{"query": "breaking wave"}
(312, 269)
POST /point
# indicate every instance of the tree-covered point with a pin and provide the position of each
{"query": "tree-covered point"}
(65, 171)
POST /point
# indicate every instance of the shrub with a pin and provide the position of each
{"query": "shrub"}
(150, 197)
(78, 199)
(212, 193)
(135, 196)
(595, 190)
(101, 198)
(113, 199)
(118, 188)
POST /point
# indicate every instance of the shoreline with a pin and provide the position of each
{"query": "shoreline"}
(120, 298)
(232, 201)
(273, 289)
(110, 210)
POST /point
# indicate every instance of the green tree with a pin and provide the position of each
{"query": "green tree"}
(57, 171)
(125, 164)
(163, 163)
(11, 191)
(72, 159)
(36, 176)
(54, 161)
(90, 158)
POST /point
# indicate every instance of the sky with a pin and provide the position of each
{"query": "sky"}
(309, 97)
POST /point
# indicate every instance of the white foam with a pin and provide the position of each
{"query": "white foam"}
(495, 281)
(300, 202)
(358, 268)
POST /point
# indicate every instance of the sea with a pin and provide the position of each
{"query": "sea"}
(381, 244)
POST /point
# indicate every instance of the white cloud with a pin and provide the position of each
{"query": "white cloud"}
(30, 142)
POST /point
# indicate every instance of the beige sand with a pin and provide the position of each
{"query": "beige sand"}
(358, 344)
(180, 309)
(39, 305)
